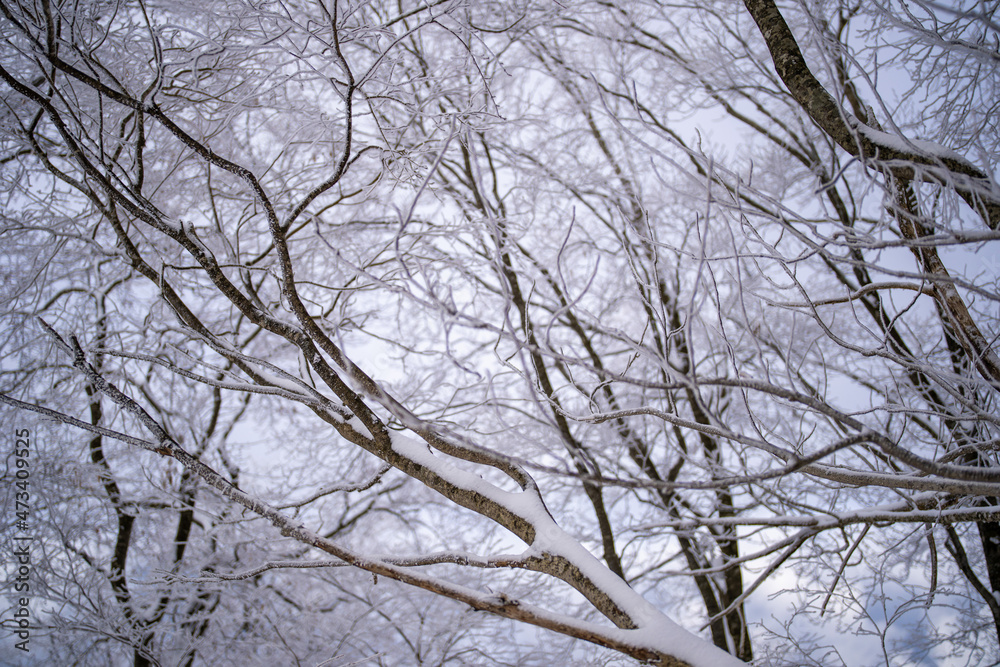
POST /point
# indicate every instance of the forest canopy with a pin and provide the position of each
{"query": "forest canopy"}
(500, 333)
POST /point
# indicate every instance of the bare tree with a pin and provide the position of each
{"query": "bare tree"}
(461, 294)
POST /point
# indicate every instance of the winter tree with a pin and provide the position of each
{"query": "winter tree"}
(502, 332)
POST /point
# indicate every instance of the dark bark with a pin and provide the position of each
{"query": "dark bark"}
(972, 184)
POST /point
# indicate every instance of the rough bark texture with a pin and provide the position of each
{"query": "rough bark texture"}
(970, 183)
